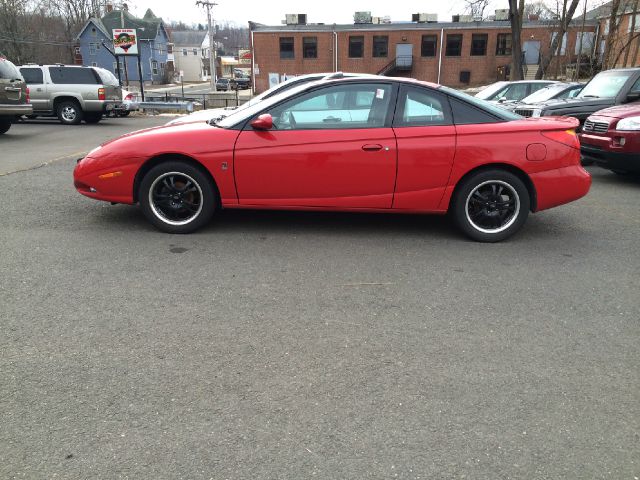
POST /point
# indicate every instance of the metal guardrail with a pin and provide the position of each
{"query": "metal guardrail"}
(165, 106)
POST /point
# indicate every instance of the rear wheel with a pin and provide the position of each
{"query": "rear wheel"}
(5, 125)
(123, 113)
(177, 197)
(93, 117)
(69, 112)
(491, 205)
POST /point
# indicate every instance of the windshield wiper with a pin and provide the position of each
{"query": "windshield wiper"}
(215, 120)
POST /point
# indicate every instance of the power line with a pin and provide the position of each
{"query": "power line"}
(45, 42)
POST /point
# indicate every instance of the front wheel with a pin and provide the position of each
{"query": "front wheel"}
(177, 197)
(491, 205)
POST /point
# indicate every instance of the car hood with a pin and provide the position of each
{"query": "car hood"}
(621, 111)
(201, 116)
(556, 104)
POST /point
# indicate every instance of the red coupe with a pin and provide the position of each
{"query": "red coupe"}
(358, 144)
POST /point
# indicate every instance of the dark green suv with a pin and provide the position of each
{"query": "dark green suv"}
(14, 96)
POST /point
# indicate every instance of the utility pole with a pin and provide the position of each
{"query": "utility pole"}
(212, 51)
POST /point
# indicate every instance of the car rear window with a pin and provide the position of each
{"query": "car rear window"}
(8, 70)
(32, 75)
(73, 75)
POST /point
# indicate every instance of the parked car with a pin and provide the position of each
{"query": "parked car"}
(225, 84)
(501, 92)
(210, 113)
(243, 83)
(14, 95)
(555, 91)
(610, 138)
(129, 104)
(606, 89)
(72, 92)
(366, 144)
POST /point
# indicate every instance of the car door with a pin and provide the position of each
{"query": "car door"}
(331, 147)
(37, 88)
(426, 140)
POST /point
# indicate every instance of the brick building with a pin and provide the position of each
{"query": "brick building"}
(624, 43)
(456, 54)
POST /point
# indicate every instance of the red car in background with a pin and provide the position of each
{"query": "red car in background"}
(610, 138)
(359, 144)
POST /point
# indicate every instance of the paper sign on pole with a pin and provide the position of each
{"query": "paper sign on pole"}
(125, 41)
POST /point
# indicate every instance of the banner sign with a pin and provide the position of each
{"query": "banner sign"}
(125, 41)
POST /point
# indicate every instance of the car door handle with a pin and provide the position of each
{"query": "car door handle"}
(12, 89)
(371, 147)
(332, 119)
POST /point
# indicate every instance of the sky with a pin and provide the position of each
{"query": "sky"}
(271, 12)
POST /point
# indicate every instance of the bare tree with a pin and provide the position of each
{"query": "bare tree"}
(14, 31)
(565, 15)
(516, 11)
(613, 24)
(476, 8)
(632, 36)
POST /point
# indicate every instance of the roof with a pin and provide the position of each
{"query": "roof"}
(188, 37)
(147, 27)
(604, 10)
(321, 27)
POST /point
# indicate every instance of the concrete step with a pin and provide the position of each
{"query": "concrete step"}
(532, 70)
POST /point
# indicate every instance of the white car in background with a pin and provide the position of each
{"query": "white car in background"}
(210, 113)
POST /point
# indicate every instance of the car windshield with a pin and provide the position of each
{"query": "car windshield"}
(8, 70)
(242, 114)
(605, 84)
(490, 90)
(544, 94)
(482, 104)
(107, 77)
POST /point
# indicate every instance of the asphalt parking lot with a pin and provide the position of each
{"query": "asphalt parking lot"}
(299, 345)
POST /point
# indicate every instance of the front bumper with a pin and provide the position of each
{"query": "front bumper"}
(623, 161)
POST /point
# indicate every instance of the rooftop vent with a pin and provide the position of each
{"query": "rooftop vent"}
(461, 18)
(362, 17)
(502, 14)
(424, 17)
(295, 19)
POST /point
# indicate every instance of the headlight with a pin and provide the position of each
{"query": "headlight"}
(631, 123)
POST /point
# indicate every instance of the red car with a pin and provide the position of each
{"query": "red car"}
(359, 144)
(610, 138)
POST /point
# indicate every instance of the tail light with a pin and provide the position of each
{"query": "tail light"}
(566, 137)
(28, 96)
(129, 97)
(101, 95)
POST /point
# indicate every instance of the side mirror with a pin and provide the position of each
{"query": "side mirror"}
(263, 122)
(633, 96)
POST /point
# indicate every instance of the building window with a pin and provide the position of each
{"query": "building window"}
(76, 50)
(115, 67)
(286, 47)
(195, 52)
(184, 52)
(479, 44)
(503, 47)
(429, 45)
(154, 67)
(454, 45)
(93, 47)
(356, 47)
(94, 64)
(94, 32)
(169, 48)
(309, 47)
(380, 46)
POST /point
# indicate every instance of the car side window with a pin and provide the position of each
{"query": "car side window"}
(537, 86)
(335, 107)
(465, 114)
(419, 107)
(32, 76)
(516, 91)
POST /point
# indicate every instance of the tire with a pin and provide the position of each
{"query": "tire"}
(177, 197)
(69, 112)
(123, 114)
(32, 117)
(93, 117)
(490, 205)
(5, 125)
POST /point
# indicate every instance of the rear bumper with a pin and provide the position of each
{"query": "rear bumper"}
(629, 162)
(9, 110)
(559, 186)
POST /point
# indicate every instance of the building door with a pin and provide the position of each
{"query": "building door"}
(404, 54)
(531, 50)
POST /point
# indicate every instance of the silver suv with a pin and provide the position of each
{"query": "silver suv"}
(72, 92)
(14, 95)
